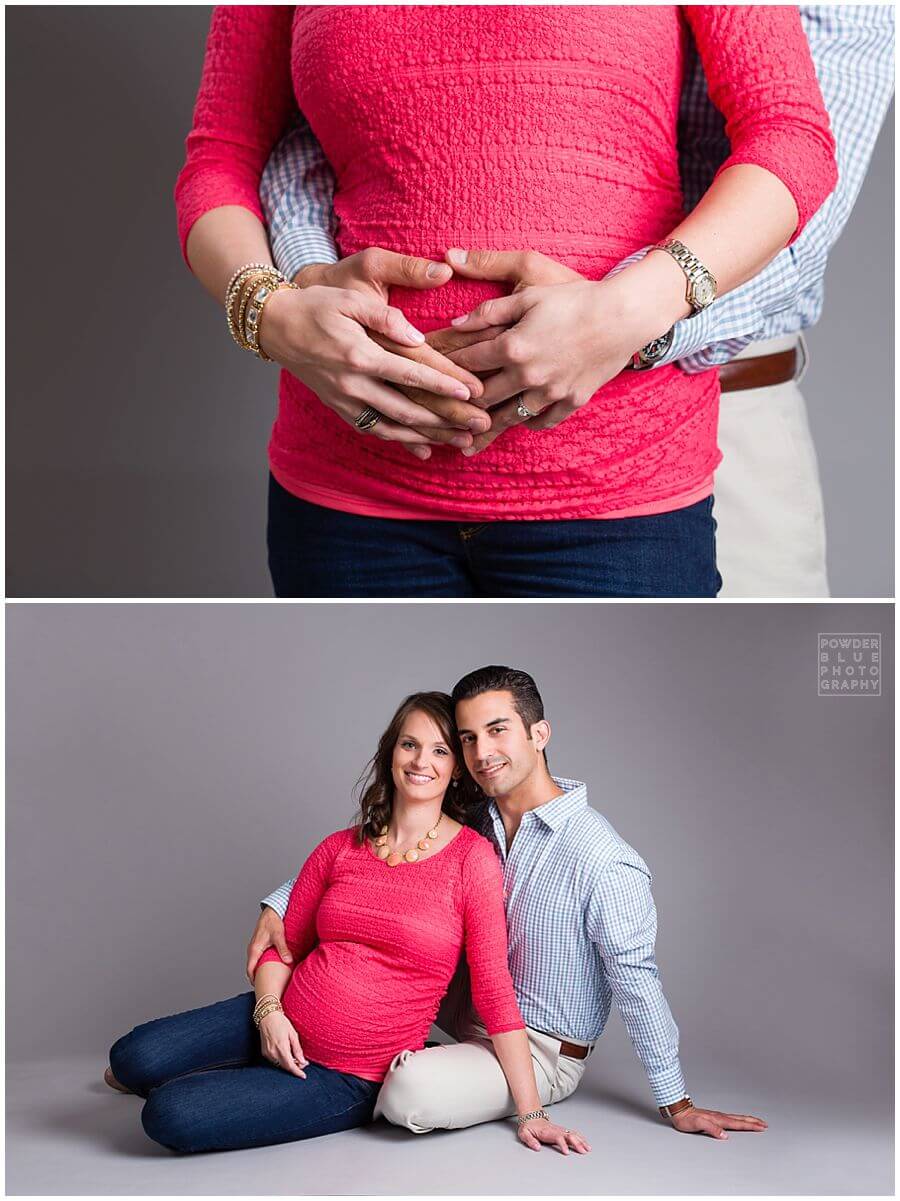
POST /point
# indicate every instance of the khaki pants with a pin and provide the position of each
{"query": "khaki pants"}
(770, 536)
(461, 1084)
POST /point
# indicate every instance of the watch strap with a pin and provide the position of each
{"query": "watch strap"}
(670, 1111)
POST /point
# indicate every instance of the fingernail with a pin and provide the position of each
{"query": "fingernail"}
(462, 392)
(458, 256)
(470, 450)
(478, 426)
(461, 440)
(415, 334)
(459, 320)
(436, 269)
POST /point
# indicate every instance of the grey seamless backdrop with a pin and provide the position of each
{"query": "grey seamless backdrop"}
(137, 431)
(168, 765)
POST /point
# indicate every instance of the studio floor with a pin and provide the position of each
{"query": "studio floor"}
(67, 1134)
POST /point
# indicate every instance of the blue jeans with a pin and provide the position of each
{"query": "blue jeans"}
(316, 552)
(208, 1088)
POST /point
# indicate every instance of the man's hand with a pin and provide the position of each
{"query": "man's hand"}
(319, 334)
(269, 932)
(716, 1124)
(373, 272)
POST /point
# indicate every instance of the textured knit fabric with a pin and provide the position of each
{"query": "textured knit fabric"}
(582, 931)
(550, 127)
(376, 948)
(852, 47)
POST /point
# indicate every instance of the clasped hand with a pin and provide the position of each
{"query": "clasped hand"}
(549, 345)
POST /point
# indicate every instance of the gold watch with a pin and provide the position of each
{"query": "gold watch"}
(702, 288)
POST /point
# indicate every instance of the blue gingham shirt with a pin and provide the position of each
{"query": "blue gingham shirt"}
(852, 47)
(582, 929)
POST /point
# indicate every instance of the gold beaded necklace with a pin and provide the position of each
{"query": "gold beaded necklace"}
(392, 858)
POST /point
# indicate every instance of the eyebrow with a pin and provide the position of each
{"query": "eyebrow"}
(412, 738)
(495, 721)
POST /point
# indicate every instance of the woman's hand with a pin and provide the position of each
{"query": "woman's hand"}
(542, 1130)
(319, 335)
(373, 272)
(517, 267)
(281, 1044)
(565, 341)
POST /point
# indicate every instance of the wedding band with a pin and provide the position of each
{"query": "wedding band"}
(367, 419)
(522, 408)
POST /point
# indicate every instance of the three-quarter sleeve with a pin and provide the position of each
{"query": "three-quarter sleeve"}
(244, 104)
(309, 888)
(761, 77)
(493, 994)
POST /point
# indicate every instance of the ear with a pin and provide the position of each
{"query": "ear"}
(540, 734)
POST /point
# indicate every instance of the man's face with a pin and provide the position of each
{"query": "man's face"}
(498, 750)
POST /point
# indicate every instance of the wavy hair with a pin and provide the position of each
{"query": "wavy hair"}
(375, 786)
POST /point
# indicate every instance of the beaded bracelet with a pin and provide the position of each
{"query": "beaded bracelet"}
(254, 316)
(263, 1011)
(240, 285)
(258, 280)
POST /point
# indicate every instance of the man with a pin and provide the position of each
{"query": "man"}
(768, 498)
(582, 926)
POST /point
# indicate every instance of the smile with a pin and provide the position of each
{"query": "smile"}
(417, 777)
(492, 770)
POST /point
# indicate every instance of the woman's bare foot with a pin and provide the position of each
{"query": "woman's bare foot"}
(114, 1083)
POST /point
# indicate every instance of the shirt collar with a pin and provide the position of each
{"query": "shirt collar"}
(554, 814)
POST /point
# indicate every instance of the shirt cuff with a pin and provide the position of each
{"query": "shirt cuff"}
(299, 247)
(278, 900)
(689, 335)
(671, 355)
(668, 1086)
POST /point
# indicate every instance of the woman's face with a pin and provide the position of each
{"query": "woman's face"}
(423, 764)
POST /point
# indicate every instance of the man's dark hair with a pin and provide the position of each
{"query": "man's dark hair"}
(526, 698)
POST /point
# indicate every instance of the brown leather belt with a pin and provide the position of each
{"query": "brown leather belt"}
(763, 372)
(574, 1050)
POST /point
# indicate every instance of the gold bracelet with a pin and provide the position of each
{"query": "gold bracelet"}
(272, 1007)
(255, 312)
(235, 287)
(249, 286)
(238, 288)
(247, 267)
(233, 307)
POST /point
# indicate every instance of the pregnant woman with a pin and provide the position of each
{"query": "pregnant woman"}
(544, 461)
(376, 922)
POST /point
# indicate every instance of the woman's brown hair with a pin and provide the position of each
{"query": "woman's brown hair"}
(375, 786)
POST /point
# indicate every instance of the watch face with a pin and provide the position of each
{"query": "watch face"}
(657, 348)
(704, 291)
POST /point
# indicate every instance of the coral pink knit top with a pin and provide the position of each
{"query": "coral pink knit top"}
(543, 127)
(375, 949)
